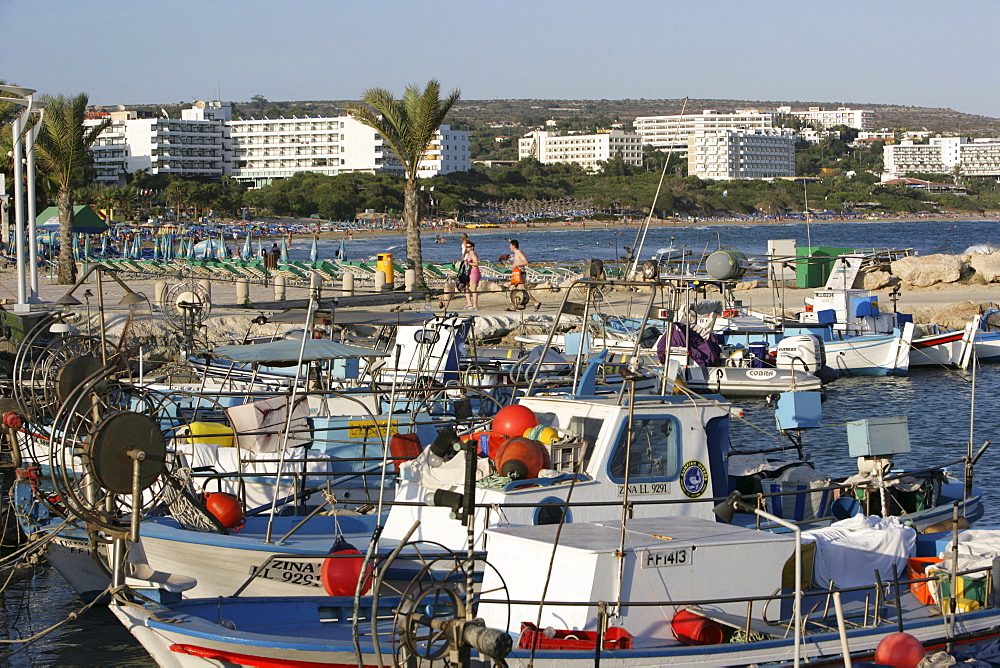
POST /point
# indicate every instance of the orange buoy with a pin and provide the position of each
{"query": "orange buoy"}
(519, 458)
(226, 508)
(514, 420)
(342, 570)
(403, 447)
(693, 629)
(900, 650)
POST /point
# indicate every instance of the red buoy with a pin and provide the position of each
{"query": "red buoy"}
(226, 508)
(693, 629)
(521, 458)
(900, 650)
(514, 420)
(342, 570)
(403, 447)
(13, 420)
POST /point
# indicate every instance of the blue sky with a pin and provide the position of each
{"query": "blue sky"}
(139, 51)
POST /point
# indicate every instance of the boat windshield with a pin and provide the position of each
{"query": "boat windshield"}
(655, 451)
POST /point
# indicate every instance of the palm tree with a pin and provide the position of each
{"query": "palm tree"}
(62, 149)
(407, 126)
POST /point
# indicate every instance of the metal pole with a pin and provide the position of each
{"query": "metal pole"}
(29, 148)
(17, 128)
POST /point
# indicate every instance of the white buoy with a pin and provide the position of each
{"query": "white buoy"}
(207, 284)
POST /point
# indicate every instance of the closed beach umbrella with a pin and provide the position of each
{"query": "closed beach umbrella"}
(104, 244)
(221, 254)
(342, 253)
(156, 247)
(284, 251)
(314, 252)
(260, 249)
(246, 247)
(86, 247)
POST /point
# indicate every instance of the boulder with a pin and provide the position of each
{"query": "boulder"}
(954, 316)
(747, 285)
(922, 272)
(987, 265)
(876, 280)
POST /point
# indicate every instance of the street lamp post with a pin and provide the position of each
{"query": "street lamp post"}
(29, 151)
(17, 130)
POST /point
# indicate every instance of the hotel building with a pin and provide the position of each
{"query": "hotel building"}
(861, 119)
(207, 144)
(761, 154)
(941, 155)
(672, 133)
(548, 146)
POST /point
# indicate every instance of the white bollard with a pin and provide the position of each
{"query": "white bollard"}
(279, 288)
(207, 284)
(348, 284)
(160, 293)
(379, 281)
(410, 279)
(315, 284)
(243, 290)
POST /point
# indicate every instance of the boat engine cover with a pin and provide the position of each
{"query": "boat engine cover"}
(803, 352)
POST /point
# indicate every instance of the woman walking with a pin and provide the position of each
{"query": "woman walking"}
(472, 293)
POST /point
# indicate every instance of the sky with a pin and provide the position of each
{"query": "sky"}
(919, 53)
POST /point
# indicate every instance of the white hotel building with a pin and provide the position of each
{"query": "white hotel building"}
(206, 143)
(941, 155)
(192, 146)
(861, 119)
(672, 133)
(588, 151)
(760, 154)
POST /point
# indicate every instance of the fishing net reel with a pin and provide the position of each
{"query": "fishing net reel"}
(54, 359)
(430, 622)
(114, 448)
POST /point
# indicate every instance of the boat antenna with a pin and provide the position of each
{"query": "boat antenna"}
(805, 193)
(640, 234)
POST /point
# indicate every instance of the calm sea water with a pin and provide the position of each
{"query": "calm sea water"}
(937, 402)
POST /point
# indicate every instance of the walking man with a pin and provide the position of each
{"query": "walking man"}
(518, 277)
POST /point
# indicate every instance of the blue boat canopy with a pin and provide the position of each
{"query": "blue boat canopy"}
(286, 351)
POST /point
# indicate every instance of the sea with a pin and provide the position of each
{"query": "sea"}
(947, 410)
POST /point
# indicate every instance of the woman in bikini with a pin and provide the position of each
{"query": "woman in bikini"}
(472, 294)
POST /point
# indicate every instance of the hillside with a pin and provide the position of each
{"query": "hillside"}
(526, 113)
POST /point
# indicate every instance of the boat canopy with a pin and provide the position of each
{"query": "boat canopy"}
(286, 351)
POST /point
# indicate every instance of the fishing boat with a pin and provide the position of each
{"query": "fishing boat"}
(567, 577)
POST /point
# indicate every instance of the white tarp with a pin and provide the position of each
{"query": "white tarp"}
(260, 426)
(448, 475)
(850, 551)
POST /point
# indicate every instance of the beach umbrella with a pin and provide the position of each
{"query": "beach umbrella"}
(86, 247)
(260, 248)
(284, 251)
(156, 247)
(246, 247)
(104, 245)
(342, 252)
(221, 253)
(314, 252)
